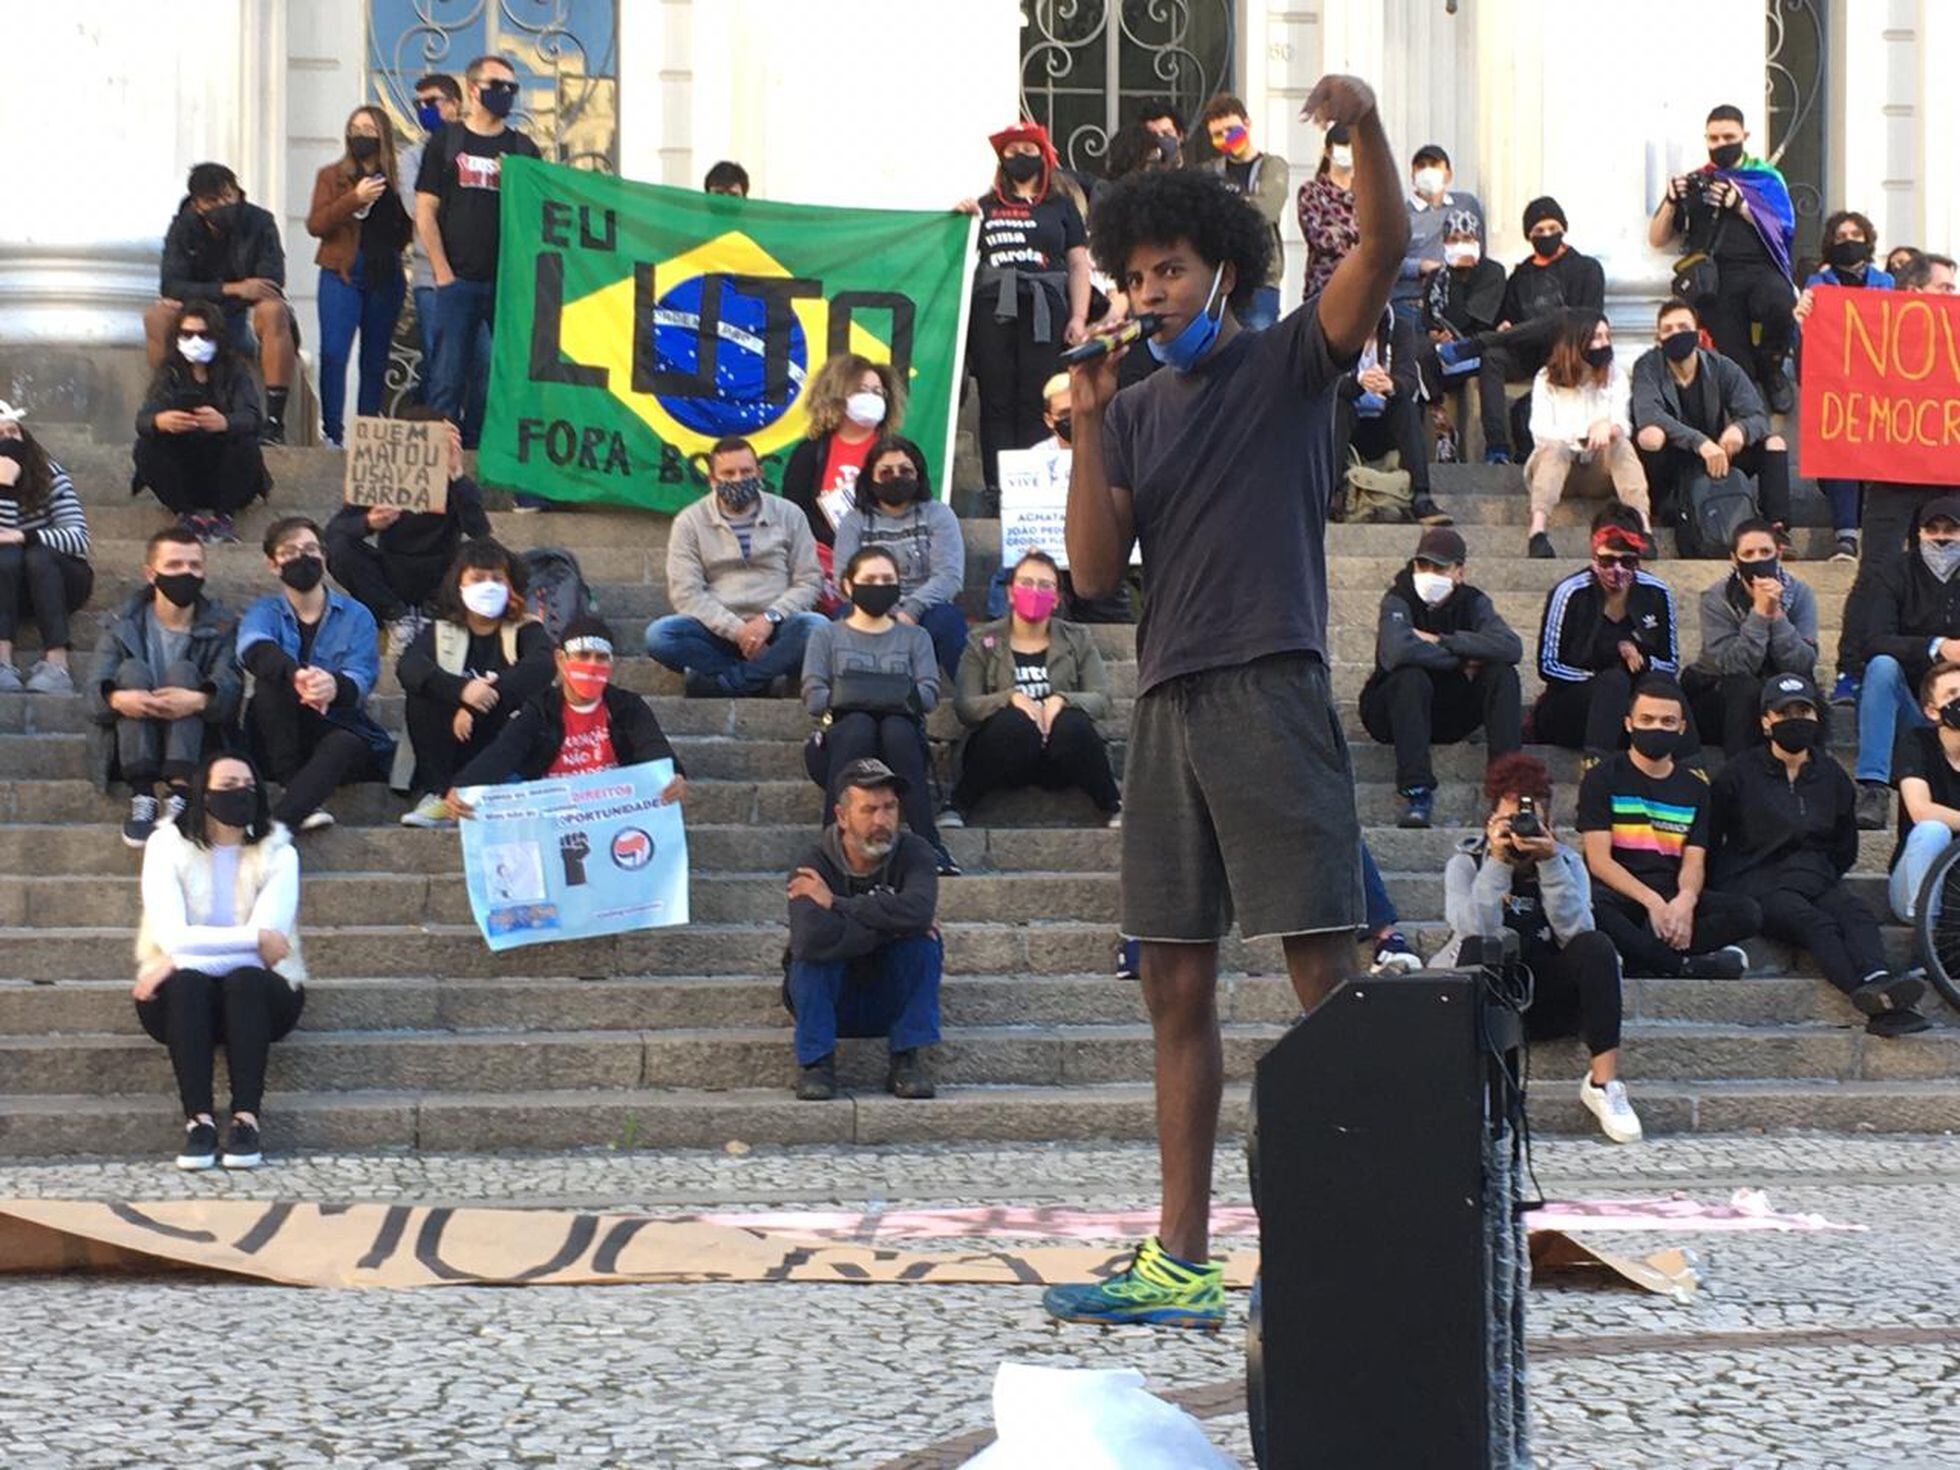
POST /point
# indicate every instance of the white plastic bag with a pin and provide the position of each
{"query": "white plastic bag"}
(1089, 1419)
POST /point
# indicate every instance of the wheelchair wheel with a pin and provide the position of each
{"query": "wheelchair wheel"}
(1936, 931)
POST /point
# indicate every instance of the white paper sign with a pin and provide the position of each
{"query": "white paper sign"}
(1034, 505)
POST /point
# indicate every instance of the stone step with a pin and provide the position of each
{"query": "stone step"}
(71, 1126)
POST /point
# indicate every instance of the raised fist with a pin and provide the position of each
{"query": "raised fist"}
(1338, 99)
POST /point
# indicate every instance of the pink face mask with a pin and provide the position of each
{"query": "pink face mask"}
(1032, 603)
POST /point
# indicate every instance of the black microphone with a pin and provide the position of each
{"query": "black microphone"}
(1133, 330)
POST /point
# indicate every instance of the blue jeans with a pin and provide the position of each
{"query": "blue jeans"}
(1843, 498)
(344, 309)
(1262, 311)
(465, 315)
(684, 644)
(892, 992)
(1886, 702)
(1924, 844)
(1378, 909)
(425, 339)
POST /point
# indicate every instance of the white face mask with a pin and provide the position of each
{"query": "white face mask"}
(1464, 252)
(1341, 156)
(486, 599)
(199, 350)
(1432, 587)
(865, 409)
(1429, 181)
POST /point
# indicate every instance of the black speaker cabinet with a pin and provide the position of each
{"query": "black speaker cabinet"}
(1388, 1317)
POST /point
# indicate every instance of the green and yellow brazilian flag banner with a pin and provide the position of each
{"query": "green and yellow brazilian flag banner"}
(638, 324)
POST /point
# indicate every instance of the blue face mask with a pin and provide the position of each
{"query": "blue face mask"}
(429, 115)
(1182, 352)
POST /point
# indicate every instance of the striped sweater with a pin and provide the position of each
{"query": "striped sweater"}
(59, 525)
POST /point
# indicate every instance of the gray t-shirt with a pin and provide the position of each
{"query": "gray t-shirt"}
(1231, 467)
(838, 648)
(166, 646)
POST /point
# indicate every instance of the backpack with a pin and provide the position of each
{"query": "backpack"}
(1711, 510)
(558, 589)
(1371, 494)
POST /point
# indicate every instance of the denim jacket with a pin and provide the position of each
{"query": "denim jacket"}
(348, 644)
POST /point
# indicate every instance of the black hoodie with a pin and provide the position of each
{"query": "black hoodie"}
(895, 900)
(1469, 625)
(1773, 833)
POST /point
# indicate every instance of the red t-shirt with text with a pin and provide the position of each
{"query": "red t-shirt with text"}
(588, 743)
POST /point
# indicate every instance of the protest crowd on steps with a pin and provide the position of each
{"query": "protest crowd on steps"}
(1721, 791)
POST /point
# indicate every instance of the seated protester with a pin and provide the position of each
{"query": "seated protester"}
(197, 433)
(482, 659)
(1756, 623)
(582, 722)
(1534, 886)
(895, 510)
(164, 689)
(1786, 833)
(1378, 407)
(217, 953)
(44, 547)
(1927, 771)
(312, 657)
(1547, 284)
(742, 575)
(1910, 614)
(1644, 819)
(870, 680)
(1461, 301)
(1848, 239)
(864, 954)
(1605, 629)
(1695, 412)
(222, 249)
(1446, 663)
(1430, 204)
(1581, 430)
(1031, 688)
(851, 401)
(393, 561)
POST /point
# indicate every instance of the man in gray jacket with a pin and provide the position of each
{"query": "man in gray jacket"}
(1756, 622)
(743, 577)
(1696, 412)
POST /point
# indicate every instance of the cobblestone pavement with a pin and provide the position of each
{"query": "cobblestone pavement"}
(1803, 1350)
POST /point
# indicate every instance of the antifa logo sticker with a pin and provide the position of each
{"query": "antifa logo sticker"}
(632, 849)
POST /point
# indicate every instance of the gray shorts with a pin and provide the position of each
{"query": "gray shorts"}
(1238, 797)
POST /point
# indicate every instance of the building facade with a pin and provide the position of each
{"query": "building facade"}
(888, 102)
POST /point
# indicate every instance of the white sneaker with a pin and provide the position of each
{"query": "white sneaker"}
(1115, 822)
(1617, 1119)
(172, 808)
(315, 820)
(430, 811)
(952, 818)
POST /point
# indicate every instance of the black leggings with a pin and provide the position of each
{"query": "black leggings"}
(193, 1014)
(1007, 750)
(897, 740)
(1591, 715)
(1009, 367)
(189, 473)
(1720, 919)
(1513, 355)
(47, 583)
(1575, 988)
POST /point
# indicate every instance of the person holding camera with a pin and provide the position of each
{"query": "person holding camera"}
(1756, 623)
(1518, 879)
(870, 680)
(357, 217)
(1737, 227)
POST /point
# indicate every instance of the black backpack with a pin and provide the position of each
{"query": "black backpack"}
(558, 588)
(1711, 510)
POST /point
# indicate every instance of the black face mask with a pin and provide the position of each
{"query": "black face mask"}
(1950, 714)
(1680, 346)
(875, 598)
(363, 150)
(1795, 735)
(13, 449)
(179, 589)
(1848, 254)
(1656, 745)
(1599, 357)
(1726, 156)
(1065, 428)
(235, 806)
(898, 490)
(222, 218)
(1546, 246)
(1748, 571)
(303, 573)
(1022, 168)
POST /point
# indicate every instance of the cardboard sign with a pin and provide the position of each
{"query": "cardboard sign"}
(1881, 387)
(395, 463)
(1034, 505)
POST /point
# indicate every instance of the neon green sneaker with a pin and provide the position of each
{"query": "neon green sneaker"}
(1157, 1290)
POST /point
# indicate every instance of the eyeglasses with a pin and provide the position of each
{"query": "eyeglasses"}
(501, 86)
(1607, 561)
(1033, 586)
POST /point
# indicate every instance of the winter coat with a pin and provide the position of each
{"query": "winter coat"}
(986, 674)
(125, 635)
(1471, 629)
(177, 897)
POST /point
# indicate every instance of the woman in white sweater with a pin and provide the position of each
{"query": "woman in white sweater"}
(1581, 427)
(217, 953)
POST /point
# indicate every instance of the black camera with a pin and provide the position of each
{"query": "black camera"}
(1525, 822)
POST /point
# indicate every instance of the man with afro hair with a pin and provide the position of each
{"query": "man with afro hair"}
(1241, 797)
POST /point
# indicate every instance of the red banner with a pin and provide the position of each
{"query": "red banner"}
(1881, 387)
